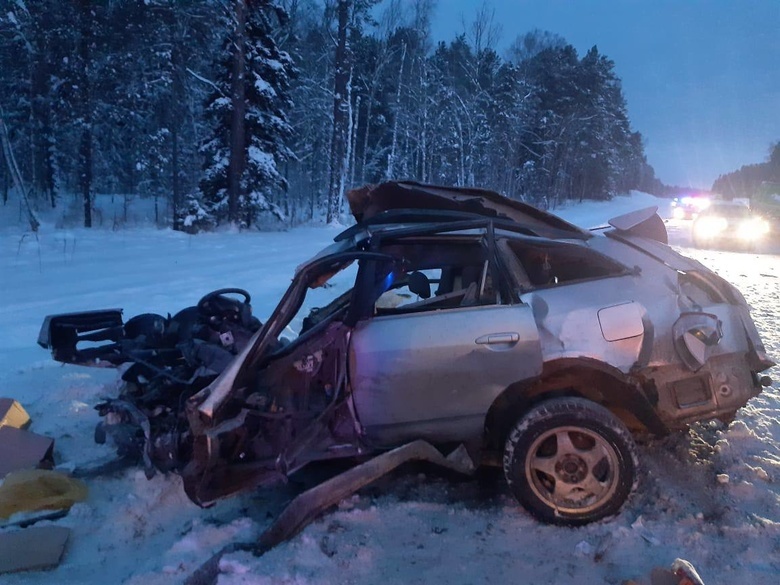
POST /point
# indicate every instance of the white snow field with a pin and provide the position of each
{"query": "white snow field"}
(709, 496)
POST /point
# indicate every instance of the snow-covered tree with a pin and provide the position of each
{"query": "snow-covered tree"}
(249, 108)
(30, 49)
(530, 44)
(194, 103)
(172, 42)
(350, 15)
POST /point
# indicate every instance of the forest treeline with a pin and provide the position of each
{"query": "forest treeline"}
(755, 181)
(233, 111)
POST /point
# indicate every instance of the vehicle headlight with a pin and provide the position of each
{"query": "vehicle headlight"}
(709, 227)
(753, 229)
(762, 226)
(678, 213)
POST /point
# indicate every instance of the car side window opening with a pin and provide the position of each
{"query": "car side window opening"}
(436, 276)
(550, 265)
(324, 297)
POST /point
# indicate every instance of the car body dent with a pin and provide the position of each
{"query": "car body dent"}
(569, 317)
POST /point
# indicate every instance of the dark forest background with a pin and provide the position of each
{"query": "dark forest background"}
(249, 111)
(759, 182)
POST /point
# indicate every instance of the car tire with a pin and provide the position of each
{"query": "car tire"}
(570, 461)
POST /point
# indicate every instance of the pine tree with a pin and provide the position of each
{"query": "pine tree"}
(140, 107)
(248, 108)
(29, 50)
(170, 41)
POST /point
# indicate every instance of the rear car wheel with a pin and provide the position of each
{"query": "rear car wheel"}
(570, 461)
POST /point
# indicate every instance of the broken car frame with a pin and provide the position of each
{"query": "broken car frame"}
(458, 317)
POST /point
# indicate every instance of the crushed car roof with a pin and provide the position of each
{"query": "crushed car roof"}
(369, 203)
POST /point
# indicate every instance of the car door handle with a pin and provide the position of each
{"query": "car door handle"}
(496, 338)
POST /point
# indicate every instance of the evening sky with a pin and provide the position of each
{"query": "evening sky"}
(701, 78)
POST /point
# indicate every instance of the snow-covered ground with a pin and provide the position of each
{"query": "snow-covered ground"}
(710, 496)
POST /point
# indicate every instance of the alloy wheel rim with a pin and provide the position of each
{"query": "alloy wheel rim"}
(572, 469)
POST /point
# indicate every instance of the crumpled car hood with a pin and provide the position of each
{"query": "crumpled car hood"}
(371, 200)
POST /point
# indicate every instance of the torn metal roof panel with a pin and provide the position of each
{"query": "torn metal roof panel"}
(368, 201)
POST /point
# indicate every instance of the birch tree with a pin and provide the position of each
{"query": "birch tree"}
(350, 15)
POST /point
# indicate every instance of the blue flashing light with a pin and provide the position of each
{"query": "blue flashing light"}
(388, 281)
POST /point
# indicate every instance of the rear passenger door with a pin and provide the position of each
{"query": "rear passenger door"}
(431, 367)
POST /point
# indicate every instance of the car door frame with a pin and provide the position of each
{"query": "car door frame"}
(384, 420)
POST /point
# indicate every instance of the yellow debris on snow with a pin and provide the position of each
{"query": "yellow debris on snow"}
(29, 490)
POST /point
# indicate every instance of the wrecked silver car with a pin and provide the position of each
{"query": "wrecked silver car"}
(450, 315)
